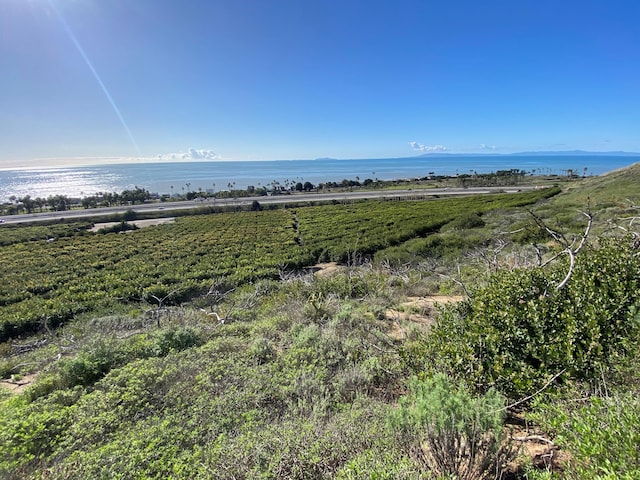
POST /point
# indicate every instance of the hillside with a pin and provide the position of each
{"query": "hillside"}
(618, 187)
(209, 348)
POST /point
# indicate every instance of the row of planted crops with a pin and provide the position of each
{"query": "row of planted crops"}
(52, 281)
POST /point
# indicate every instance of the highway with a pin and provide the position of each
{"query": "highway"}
(264, 200)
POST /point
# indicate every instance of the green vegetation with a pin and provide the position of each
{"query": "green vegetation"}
(54, 281)
(207, 349)
(519, 329)
(453, 433)
(13, 234)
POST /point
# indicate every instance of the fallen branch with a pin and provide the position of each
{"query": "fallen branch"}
(537, 438)
(525, 399)
(28, 347)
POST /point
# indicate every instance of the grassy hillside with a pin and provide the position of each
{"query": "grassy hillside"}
(612, 197)
(203, 350)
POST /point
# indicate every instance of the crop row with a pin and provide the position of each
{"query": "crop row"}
(54, 281)
(331, 232)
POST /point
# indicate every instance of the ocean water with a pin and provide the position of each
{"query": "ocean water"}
(179, 177)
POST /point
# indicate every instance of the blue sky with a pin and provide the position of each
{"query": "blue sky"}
(106, 80)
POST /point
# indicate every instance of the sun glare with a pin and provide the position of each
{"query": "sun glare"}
(94, 72)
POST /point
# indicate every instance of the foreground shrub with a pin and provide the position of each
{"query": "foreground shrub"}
(602, 435)
(520, 330)
(452, 433)
(102, 355)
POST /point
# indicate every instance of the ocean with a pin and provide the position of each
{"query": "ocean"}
(179, 177)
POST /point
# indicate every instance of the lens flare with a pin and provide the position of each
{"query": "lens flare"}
(84, 56)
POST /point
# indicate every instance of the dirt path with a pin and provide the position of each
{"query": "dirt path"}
(18, 386)
(326, 269)
(417, 310)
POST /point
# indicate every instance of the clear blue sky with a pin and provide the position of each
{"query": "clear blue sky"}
(285, 79)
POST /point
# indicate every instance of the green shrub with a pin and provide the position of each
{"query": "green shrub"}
(388, 465)
(602, 436)
(519, 330)
(465, 221)
(123, 226)
(102, 355)
(28, 433)
(176, 339)
(129, 215)
(452, 433)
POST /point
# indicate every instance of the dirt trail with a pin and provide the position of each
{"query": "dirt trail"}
(419, 310)
(18, 386)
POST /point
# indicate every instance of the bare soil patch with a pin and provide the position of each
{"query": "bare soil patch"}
(544, 454)
(18, 386)
(138, 223)
(416, 310)
(326, 269)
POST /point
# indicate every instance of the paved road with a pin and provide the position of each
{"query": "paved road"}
(277, 199)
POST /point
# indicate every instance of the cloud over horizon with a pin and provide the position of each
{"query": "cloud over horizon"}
(191, 154)
(202, 154)
(419, 147)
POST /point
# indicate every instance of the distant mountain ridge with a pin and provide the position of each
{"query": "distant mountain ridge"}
(617, 153)
(542, 153)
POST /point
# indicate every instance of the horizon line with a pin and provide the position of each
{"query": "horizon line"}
(75, 162)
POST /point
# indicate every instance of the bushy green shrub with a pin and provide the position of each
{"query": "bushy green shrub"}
(452, 433)
(388, 465)
(519, 329)
(29, 432)
(102, 355)
(465, 221)
(601, 435)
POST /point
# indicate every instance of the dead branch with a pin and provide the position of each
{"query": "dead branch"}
(129, 334)
(220, 319)
(163, 299)
(19, 349)
(529, 397)
(457, 282)
(17, 367)
(569, 248)
(538, 254)
(537, 438)
(366, 343)
(573, 252)
(491, 255)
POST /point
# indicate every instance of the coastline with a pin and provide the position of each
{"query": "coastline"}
(174, 178)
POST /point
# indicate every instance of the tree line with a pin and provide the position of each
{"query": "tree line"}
(61, 203)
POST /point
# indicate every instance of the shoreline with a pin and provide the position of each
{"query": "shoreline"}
(175, 178)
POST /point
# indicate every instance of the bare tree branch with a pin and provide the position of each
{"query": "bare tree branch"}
(569, 248)
(457, 282)
(529, 397)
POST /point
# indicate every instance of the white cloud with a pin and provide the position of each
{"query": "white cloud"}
(485, 147)
(190, 154)
(203, 154)
(419, 147)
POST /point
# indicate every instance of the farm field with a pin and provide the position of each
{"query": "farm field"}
(52, 281)
(207, 348)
